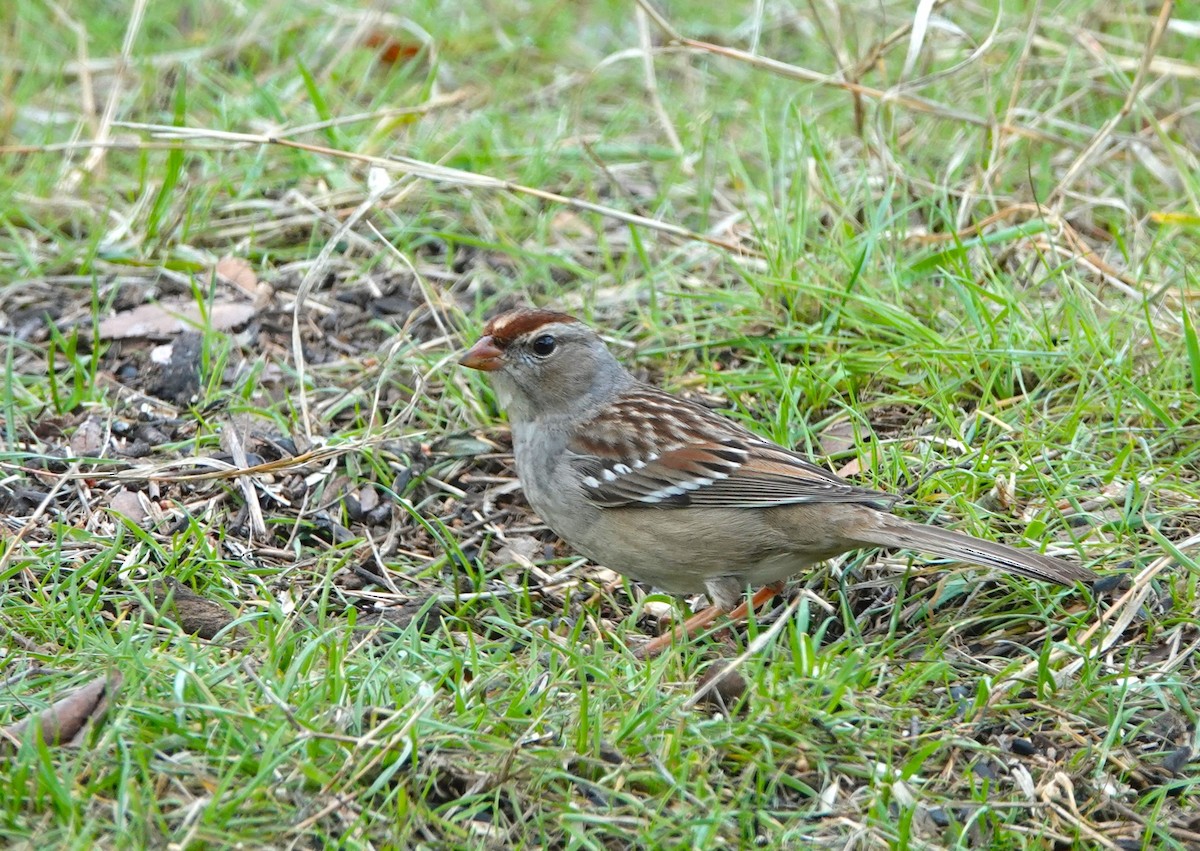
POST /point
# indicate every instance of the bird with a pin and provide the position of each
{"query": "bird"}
(672, 493)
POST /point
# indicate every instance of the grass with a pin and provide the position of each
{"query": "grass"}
(976, 291)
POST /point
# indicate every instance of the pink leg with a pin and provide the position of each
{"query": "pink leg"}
(703, 618)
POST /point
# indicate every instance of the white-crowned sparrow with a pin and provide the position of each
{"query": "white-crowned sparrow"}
(670, 493)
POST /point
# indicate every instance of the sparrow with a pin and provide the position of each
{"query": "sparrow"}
(673, 494)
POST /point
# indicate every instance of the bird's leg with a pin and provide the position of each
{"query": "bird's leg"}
(703, 618)
(761, 596)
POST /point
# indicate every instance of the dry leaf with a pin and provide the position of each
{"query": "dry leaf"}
(127, 503)
(368, 498)
(239, 273)
(88, 439)
(519, 549)
(194, 614)
(837, 437)
(721, 688)
(164, 319)
(64, 721)
(850, 468)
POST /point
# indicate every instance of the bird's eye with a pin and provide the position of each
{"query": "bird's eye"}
(543, 345)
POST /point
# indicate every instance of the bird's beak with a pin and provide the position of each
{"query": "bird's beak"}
(484, 355)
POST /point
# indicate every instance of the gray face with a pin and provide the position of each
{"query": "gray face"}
(555, 369)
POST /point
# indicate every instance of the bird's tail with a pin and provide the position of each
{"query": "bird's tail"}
(894, 531)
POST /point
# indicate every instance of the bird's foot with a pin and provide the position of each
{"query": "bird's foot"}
(703, 618)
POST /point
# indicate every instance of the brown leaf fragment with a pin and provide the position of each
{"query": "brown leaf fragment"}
(837, 437)
(239, 273)
(519, 549)
(88, 439)
(721, 687)
(194, 614)
(128, 504)
(63, 722)
(166, 319)
(368, 498)
(851, 468)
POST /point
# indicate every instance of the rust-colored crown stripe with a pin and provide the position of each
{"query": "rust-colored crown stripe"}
(506, 327)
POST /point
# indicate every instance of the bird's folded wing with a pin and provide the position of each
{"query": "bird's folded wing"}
(729, 472)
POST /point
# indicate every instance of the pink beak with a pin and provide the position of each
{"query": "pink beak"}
(484, 355)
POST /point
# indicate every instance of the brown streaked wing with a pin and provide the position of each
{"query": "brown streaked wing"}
(633, 453)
